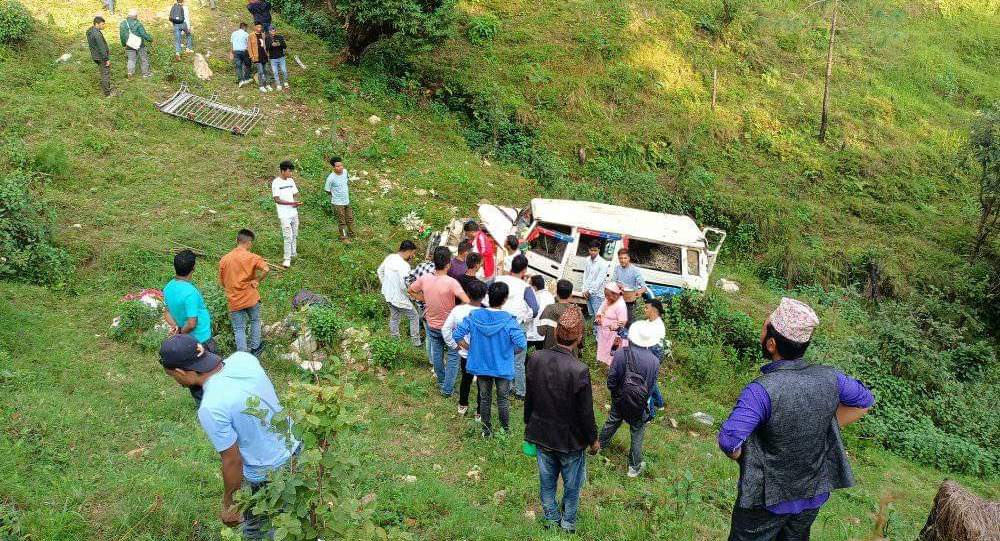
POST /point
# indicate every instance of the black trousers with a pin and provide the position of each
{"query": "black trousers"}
(465, 386)
(762, 525)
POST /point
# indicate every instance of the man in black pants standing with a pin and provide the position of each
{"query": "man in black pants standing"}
(100, 54)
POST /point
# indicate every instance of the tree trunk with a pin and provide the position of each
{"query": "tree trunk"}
(829, 72)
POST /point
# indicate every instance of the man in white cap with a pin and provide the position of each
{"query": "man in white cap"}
(785, 432)
(630, 380)
(134, 38)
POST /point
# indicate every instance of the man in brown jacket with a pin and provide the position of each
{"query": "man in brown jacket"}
(257, 50)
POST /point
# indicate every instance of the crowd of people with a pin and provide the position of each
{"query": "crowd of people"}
(483, 318)
(260, 52)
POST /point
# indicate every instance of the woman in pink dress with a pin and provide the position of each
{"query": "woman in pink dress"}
(612, 315)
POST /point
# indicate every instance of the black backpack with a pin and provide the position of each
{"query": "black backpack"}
(632, 399)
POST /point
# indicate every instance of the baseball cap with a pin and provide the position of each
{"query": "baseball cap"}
(181, 351)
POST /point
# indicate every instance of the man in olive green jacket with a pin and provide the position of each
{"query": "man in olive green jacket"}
(100, 54)
(132, 25)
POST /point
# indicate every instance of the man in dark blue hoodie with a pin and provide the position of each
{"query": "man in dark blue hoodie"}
(492, 337)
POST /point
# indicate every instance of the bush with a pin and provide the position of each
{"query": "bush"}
(29, 254)
(326, 324)
(15, 22)
(389, 353)
(134, 318)
(483, 28)
(51, 159)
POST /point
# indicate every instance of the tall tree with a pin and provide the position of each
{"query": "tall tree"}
(984, 144)
(824, 119)
(367, 21)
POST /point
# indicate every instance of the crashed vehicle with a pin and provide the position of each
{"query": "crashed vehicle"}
(671, 252)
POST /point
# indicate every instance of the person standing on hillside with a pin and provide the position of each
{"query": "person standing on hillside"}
(511, 248)
(458, 265)
(492, 337)
(284, 191)
(523, 305)
(473, 263)
(134, 38)
(247, 446)
(276, 53)
(548, 319)
(257, 51)
(240, 41)
(559, 420)
(180, 18)
(784, 432)
(100, 54)
(109, 5)
(611, 316)
(544, 298)
(630, 280)
(632, 375)
(261, 12)
(438, 291)
(476, 290)
(483, 244)
(595, 275)
(654, 315)
(186, 312)
(340, 198)
(240, 273)
(391, 273)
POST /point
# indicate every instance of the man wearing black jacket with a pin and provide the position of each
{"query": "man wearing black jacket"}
(261, 11)
(559, 420)
(100, 54)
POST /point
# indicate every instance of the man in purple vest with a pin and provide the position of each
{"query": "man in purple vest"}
(785, 433)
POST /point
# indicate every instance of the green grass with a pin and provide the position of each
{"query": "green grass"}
(78, 404)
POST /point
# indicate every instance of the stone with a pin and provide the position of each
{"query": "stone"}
(64, 58)
(673, 422)
(703, 418)
(201, 68)
(373, 120)
(729, 286)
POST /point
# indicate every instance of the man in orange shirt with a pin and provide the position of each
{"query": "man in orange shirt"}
(240, 272)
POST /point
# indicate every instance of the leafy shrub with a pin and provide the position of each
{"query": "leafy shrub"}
(15, 22)
(151, 340)
(218, 308)
(326, 324)
(483, 28)
(135, 318)
(26, 245)
(389, 353)
(386, 145)
(51, 159)
(368, 307)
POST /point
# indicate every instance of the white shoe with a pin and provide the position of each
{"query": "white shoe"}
(479, 418)
(262, 89)
(286, 263)
(462, 410)
(634, 472)
(269, 88)
(241, 83)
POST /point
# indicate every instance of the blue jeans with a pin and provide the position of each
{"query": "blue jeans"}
(655, 396)
(519, 358)
(180, 29)
(573, 468)
(242, 62)
(438, 352)
(593, 305)
(279, 65)
(239, 320)
(261, 74)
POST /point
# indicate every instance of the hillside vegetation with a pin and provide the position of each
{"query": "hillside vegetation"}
(98, 444)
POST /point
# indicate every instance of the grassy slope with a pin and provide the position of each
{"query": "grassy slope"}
(77, 403)
(607, 75)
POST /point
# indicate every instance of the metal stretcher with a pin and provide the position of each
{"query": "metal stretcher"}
(209, 112)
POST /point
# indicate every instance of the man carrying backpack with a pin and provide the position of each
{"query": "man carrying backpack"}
(180, 18)
(134, 38)
(630, 379)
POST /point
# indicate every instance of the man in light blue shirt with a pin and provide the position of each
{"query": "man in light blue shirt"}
(240, 40)
(336, 186)
(248, 447)
(628, 278)
(595, 274)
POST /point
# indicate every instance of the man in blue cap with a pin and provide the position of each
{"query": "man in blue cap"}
(249, 449)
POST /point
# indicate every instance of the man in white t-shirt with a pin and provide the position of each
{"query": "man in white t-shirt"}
(284, 191)
(391, 274)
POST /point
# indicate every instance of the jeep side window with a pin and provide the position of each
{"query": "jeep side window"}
(661, 257)
(550, 247)
(693, 262)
